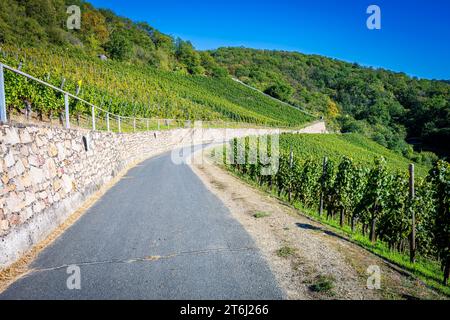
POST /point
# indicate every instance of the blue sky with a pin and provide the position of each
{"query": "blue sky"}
(414, 36)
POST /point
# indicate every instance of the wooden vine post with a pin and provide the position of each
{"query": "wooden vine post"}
(322, 182)
(412, 245)
(291, 163)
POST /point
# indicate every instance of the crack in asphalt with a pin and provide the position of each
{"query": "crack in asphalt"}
(147, 258)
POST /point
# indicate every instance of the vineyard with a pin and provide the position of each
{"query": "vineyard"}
(133, 90)
(361, 149)
(369, 200)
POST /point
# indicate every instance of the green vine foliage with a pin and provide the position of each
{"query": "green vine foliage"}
(135, 90)
(440, 179)
(372, 199)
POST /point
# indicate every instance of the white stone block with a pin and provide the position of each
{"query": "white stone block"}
(9, 160)
(14, 203)
(36, 175)
(29, 198)
(67, 183)
(11, 136)
(25, 137)
(19, 167)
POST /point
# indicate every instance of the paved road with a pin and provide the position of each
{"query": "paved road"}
(157, 234)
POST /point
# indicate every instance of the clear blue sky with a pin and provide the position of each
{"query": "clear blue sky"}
(414, 38)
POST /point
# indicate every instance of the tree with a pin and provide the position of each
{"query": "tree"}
(93, 28)
(163, 41)
(211, 66)
(332, 109)
(280, 91)
(187, 56)
(118, 47)
(349, 124)
(46, 12)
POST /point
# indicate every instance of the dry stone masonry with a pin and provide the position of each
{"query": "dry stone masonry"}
(47, 173)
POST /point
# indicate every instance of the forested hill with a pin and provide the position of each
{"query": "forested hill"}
(391, 108)
(41, 23)
(386, 106)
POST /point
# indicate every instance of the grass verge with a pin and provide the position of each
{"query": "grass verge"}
(428, 271)
(261, 214)
(285, 252)
(323, 284)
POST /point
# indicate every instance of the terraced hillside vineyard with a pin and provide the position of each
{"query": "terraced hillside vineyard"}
(365, 192)
(136, 90)
(391, 108)
(361, 149)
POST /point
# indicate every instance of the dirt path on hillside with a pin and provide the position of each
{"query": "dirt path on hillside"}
(309, 260)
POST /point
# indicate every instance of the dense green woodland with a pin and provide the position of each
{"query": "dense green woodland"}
(386, 106)
(43, 22)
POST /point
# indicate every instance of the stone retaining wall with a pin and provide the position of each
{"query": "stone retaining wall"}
(47, 173)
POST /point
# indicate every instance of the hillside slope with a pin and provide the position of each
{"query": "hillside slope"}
(385, 106)
(362, 195)
(136, 90)
(147, 73)
(336, 146)
(43, 23)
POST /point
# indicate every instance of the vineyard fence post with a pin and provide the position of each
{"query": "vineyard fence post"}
(158, 124)
(107, 122)
(322, 183)
(93, 117)
(413, 215)
(147, 125)
(66, 110)
(3, 117)
(291, 160)
(118, 123)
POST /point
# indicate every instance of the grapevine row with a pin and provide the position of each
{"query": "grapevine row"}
(370, 200)
(134, 90)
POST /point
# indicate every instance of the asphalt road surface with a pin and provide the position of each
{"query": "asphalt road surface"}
(157, 234)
